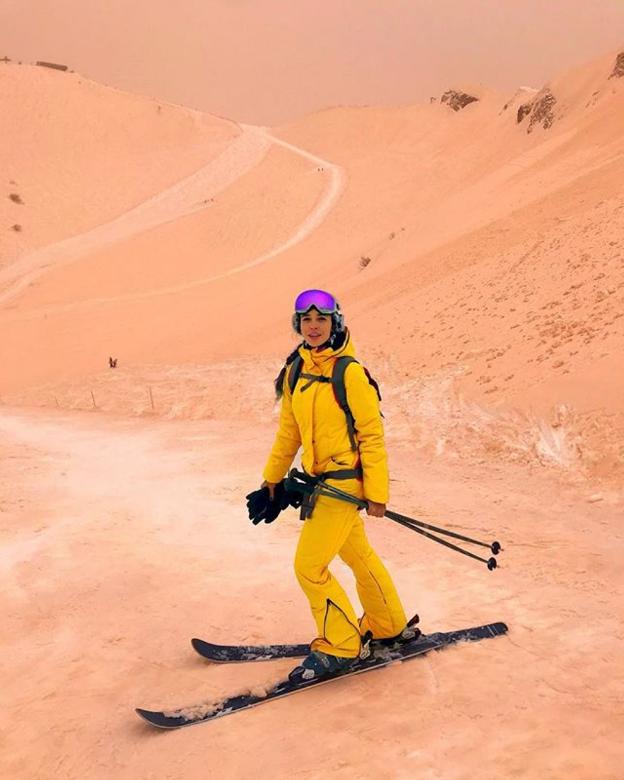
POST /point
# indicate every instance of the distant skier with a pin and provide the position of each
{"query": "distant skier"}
(345, 446)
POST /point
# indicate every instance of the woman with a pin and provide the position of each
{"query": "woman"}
(310, 416)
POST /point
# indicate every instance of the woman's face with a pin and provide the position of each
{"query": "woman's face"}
(315, 327)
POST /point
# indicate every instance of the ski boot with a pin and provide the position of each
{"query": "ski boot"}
(317, 665)
(409, 634)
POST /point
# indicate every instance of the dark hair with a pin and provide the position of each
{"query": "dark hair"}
(335, 341)
(279, 380)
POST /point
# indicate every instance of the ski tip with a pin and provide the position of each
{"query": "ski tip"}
(159, 719)
(207, 650)
(147, 715)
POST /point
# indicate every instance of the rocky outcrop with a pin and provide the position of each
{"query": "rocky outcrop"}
(457, 100)
(524, 110)
(618, 68)
(522, 96)
(540, 109)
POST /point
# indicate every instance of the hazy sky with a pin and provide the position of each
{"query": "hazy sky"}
(268, 61)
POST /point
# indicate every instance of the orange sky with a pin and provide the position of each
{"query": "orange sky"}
(268, 61)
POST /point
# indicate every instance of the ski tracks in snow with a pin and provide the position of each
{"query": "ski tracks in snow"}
(183, 198)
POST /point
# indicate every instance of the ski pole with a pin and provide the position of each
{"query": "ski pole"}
(408, 522)
(333, 492)
(494, 547)
(490, 562)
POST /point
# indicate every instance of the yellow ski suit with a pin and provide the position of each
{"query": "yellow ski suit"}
(314, 419)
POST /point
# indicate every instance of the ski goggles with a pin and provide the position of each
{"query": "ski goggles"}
(317, 299)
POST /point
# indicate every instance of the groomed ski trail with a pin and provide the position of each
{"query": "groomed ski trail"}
(186, 197)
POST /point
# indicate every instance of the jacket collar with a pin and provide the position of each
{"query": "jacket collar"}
(313, 358)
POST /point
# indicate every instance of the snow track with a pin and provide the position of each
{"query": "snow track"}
(186, 197)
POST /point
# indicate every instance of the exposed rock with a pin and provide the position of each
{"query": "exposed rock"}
(521, 95)
(524, 110)
(457, 100)
(618, 68)
(543, 113)
(540, 109)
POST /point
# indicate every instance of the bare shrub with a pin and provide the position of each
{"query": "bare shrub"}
(364, 261)
(16, 198)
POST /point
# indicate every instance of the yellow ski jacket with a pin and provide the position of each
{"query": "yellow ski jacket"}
(314, 419)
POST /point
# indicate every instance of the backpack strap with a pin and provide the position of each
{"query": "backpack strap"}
(340, 392)
(294, 373)
(312, 378)
(338, 385)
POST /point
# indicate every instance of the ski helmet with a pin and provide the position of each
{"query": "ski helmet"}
(323, 302)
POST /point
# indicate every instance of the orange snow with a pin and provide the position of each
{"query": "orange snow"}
(481, 271)
(495, 268)
(124, 538)
(79, 154)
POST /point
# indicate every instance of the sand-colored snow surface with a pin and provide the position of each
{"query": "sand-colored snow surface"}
(79, 154)
(121, 539)
(478, 257)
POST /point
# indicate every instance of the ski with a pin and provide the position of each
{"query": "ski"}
(380, 657)
(228, 654)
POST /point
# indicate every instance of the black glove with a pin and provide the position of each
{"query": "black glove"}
(260, 506)
(257, 503)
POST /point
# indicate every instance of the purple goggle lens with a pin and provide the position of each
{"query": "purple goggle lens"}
(319, 299)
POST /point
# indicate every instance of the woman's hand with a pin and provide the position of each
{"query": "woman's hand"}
(374, 509)
(271, 486)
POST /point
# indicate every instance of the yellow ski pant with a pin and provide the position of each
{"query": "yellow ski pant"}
(336, 528)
